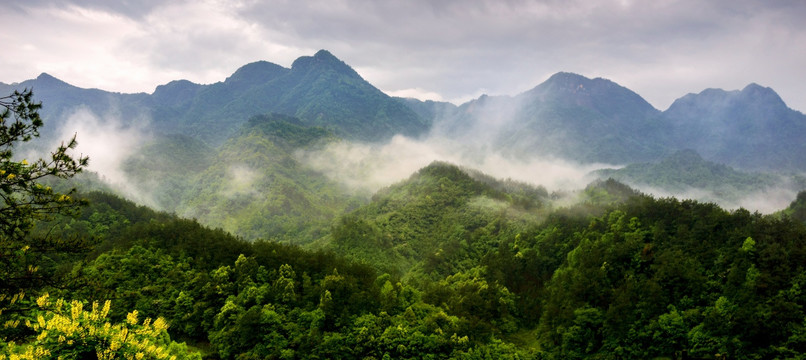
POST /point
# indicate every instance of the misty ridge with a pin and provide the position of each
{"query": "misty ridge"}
(562, 135)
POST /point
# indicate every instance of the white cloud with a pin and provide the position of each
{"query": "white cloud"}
(108, 140)
(660, 49)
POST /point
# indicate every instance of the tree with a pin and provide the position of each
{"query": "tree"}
(24, 199)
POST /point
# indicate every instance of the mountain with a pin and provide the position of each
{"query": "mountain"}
(61, 100)
(594, 120)
(750, 129)
(564, 117)
(587, 120)
(686, 170)
(568, 116)
(319, 90)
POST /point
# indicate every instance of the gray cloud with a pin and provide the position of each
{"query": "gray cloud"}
(131, 9)
(454, 50)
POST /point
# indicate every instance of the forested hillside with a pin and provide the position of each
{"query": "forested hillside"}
(620, 275)
(219, 239)
(256, 188)
(320, 90)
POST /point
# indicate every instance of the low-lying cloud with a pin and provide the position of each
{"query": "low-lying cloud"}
(370, 167)
(108, 141)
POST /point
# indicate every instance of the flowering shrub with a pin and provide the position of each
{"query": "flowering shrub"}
(68, 331)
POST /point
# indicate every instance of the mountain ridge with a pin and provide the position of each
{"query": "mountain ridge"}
(568, 116)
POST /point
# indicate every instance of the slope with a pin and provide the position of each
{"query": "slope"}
(441, 220)
(686, 170)
(568, 116)
(320, 90)
(255, 188)
(749, 129)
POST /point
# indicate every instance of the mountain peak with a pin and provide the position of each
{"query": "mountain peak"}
(757, 92)
(177, 91)
(256, 73)
(565, 77)
(571, 83)
(323, 59)
(45, 78)
(325, 56)
(599, 93)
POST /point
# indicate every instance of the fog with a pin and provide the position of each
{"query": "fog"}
(471, 141)
(475, 142)
(109, 141)
(369, 167)
(364, 168)
(241, 181)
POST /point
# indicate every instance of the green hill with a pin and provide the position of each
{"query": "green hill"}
(255, 188)
(491, 270)
(686, 170)
(441, 220)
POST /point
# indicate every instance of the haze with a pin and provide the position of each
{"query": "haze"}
(445, 50)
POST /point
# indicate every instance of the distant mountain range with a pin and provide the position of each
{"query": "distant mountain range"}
(320, 90)
(596, 120)
(568, 116)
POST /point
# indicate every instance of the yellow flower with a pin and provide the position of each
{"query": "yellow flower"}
(131, 318)
(76, 308)
(24, 162)
(11, 176)
(105, 310)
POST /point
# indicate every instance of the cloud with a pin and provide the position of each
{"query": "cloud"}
(367, 168)
(454, 49)
(108, 141)
(765, 201)
(416, 93)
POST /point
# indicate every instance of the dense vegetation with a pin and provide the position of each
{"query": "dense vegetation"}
(499, 275)
(256, 188)
(447, 264)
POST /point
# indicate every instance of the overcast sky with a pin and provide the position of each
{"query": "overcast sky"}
(443, 49)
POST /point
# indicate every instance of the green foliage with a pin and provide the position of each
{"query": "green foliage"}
(797, 209)
(165, 168)
(256, 188)
(66, 330)
(440, 221)
(25, 260)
